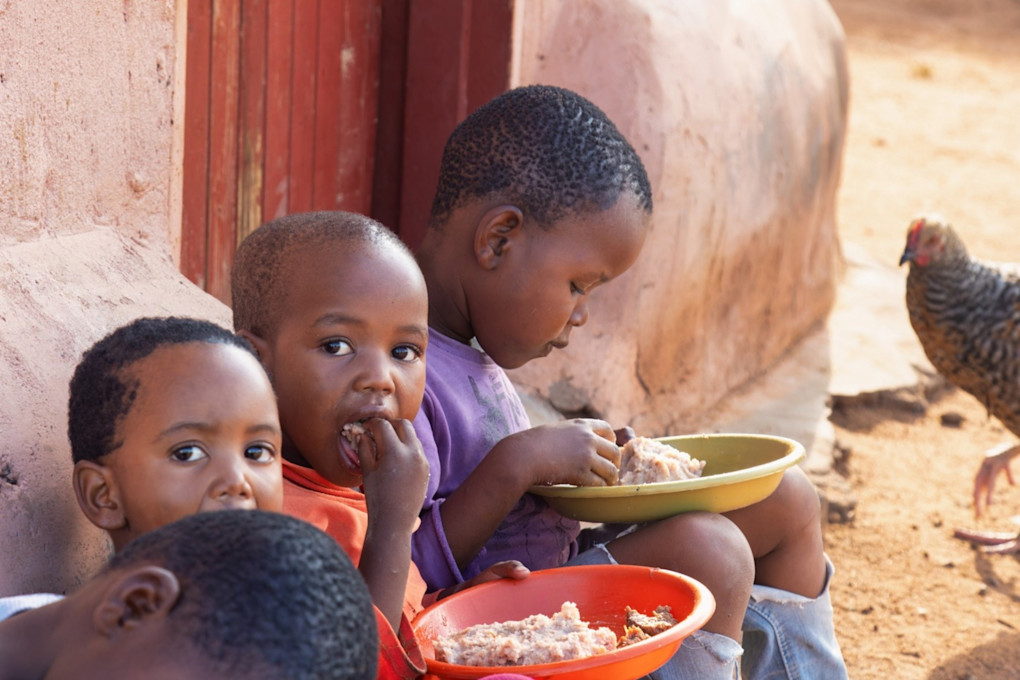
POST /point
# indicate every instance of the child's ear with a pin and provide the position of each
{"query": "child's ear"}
(98, 495)
(262, 348)
(496, 232)
(135, 596)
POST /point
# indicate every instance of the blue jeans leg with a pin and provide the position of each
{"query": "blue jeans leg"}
(702, 656)
(791, 636)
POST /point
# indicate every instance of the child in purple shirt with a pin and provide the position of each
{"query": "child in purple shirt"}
(541, 200)
(469, 406)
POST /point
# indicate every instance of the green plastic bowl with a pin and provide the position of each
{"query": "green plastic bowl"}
(740, 470)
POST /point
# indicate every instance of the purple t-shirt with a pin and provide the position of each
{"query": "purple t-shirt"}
(470, 404)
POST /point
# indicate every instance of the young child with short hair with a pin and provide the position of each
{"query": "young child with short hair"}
(336, 307)
(226, 595)
(541, 200)
(168, 417)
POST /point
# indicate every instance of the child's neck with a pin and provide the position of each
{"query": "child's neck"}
(292, 455)
(459, 329)
(447, 300)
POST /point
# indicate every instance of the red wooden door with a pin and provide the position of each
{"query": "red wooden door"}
(441, 60)
(296, 105)
(280, 117)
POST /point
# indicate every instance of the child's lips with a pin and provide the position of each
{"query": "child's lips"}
(348, 454)
(555, 344)
(562, 341)
(351, 432)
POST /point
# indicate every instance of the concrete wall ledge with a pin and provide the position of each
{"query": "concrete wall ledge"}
(58, 295)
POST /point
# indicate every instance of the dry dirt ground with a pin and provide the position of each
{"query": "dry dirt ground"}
(935, 96)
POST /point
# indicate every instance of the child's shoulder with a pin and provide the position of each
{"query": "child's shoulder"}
(301, 482)
(339, 512)
(9, 606)
(446, 355)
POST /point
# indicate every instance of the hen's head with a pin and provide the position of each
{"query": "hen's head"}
(932, 241)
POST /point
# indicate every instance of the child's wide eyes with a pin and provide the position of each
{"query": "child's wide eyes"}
(337, 347)
(187, 453)
(407, 353)
(260, 453)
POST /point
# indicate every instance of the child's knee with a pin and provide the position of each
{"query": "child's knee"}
(712, 549)
(799, 499)
(720, 540)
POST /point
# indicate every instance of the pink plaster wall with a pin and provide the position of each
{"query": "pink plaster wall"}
(739, 112)
(88, 228)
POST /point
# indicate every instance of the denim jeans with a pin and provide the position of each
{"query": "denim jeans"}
(788, 636)
(702, 655)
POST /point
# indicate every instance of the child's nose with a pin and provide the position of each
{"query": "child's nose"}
(232, 481)
(374, 373)
(579, 316)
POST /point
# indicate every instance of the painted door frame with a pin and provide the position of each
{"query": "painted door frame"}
(296, 105)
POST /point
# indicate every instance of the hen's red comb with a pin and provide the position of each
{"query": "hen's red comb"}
(915, 232)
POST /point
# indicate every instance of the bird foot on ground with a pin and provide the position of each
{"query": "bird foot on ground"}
(991, 542)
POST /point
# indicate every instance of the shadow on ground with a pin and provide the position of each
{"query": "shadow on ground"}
(995, 660)
(862, 412)
(985, 567)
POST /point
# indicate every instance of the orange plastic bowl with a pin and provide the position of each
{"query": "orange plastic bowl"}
(602, 594)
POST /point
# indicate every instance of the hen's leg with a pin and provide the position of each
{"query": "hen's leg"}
(996, 461)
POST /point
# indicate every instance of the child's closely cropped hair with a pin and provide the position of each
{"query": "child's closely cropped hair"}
(540, 201)
(227, 595)
(169, 417)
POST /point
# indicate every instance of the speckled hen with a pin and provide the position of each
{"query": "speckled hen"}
(967, 316)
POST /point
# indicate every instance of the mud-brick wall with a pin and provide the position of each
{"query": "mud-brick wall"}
(89, 215)
(739, 111)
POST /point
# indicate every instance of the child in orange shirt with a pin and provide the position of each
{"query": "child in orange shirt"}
(169, 417)
(336, 308)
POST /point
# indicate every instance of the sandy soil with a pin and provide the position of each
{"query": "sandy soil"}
(935, 90)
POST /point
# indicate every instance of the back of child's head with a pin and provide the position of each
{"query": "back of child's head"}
(263, 595)
(262, 262)
(547, 150)
(102, 388)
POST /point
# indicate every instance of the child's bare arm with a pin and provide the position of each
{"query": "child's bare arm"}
(395, 476)
(580, 451)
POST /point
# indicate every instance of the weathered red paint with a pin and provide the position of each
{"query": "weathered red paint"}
(296, 105)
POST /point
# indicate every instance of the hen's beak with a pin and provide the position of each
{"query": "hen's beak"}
(907, 256)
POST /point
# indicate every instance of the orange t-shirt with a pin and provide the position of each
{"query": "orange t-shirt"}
(342, 513)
